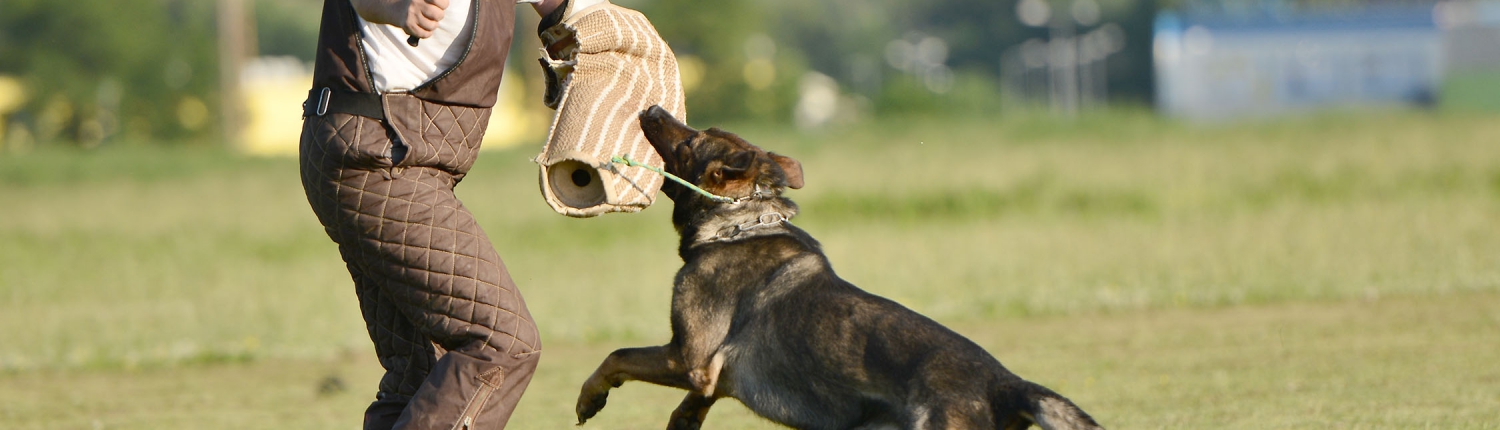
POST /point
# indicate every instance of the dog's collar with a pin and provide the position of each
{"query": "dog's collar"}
(761, 193)
(738, 230)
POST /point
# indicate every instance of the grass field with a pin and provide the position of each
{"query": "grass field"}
(1332, 272)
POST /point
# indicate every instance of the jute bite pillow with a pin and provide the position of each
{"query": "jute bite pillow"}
(605, 65)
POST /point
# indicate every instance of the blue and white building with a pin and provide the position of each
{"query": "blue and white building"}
(1219, 65)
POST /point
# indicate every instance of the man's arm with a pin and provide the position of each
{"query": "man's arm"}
(418, 17)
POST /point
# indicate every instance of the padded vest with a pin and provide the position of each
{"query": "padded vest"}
(445, 115)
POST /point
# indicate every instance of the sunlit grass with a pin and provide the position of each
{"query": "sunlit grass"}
(121, 265)
(137, 255)
(1424, 362)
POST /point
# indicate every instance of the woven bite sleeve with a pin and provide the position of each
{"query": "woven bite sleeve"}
(609, 64)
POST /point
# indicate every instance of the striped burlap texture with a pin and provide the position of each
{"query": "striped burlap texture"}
(619, 67)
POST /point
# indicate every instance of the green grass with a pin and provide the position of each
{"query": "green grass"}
(1340, 271)
(1400, 363)
(1474, 90)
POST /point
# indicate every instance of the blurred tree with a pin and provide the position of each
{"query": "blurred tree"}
(870, 47)
(1132, 76)
(844, 39)
(743, 76)
(98, 69)
(290, 27)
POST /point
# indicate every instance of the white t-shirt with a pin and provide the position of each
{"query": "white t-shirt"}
(396, 66)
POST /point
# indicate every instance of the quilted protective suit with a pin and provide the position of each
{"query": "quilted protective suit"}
(448, 323)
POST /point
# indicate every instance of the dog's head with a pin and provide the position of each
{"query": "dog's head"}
(715, 160)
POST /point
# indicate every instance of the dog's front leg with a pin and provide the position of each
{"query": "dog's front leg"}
(691, 412)
(660, 365)
(700, 323)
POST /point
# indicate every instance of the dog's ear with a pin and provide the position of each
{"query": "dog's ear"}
(792, 168)
(665, 132)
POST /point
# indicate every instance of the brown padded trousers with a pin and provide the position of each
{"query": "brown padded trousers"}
(448, 324)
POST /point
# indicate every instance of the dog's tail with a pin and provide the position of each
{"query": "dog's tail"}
(1052, 411)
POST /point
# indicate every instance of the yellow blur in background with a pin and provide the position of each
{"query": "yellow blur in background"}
(12, 96)
(273, 89)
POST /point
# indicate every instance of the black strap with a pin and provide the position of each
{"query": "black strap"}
(322, 101)
(554, 18)
(552, 97)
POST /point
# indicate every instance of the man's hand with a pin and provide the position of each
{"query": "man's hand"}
(417, 17)
(545, 7)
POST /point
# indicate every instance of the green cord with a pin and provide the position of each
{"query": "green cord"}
(626, 161)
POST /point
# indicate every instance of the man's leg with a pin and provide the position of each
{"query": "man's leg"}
(452, 286)
(405, 234)
(474, 389)
(404, 352)
(336, 152)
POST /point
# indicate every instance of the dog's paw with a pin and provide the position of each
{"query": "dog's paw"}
(589, 404)
(684, 423)
(690, 414)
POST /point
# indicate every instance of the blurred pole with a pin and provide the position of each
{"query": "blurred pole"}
(1106, 46)
(1064, 62)
(1067, 71)
(1012, 75)
(1101, 85)
(1086, 90)
(1086, 50)
(233, 45)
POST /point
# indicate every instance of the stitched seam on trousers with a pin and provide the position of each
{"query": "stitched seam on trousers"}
(481, 396)
(415, 300)
(472, 298)
(407, 358)
(452, 254)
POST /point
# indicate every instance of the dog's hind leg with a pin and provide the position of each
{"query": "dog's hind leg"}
(951, 413)
(658, 365)
(691, 412)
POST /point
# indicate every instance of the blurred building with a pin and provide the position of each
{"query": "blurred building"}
(1471, 49)
(1218, 63)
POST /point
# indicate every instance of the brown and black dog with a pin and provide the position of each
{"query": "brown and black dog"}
(759, 315)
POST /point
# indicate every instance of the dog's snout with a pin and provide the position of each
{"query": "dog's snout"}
(664, 132)
(654, 114)
(654, 121)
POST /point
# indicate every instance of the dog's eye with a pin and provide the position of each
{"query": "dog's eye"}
(742, 161)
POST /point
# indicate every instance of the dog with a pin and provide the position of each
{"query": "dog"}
(758, 315)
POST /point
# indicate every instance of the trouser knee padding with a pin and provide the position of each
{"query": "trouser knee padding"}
(470, 389)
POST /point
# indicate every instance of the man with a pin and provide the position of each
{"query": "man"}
(390, 128)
